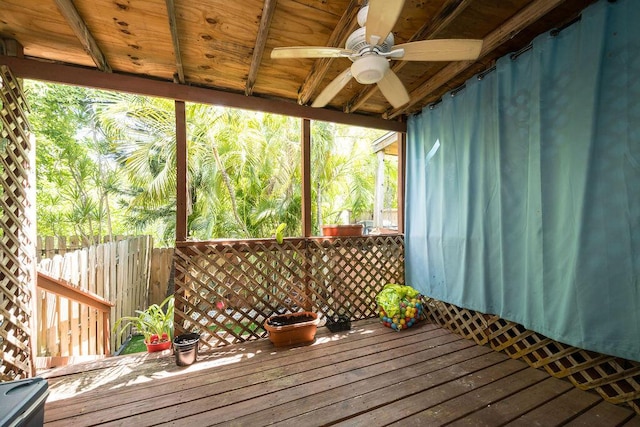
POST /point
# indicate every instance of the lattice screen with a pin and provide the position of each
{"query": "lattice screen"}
(17, 250)
(226, 291)
(616, 380)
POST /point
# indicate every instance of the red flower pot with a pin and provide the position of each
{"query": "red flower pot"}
(158, 344)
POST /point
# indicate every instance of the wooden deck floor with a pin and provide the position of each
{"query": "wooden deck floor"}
(371, 376)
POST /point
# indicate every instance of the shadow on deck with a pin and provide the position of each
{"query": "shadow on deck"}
(370, 376)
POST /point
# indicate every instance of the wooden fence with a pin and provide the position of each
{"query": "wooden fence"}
(160, 274)
(118, 272)
(50, 246)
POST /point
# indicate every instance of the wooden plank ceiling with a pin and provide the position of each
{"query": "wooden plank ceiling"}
(226, 45)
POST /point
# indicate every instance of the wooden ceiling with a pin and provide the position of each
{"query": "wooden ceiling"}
(225, 45)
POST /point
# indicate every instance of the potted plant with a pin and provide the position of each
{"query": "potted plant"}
(334, 230)
(292, 328)
(155, 323)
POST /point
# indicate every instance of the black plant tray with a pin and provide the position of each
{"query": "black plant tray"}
(339, 323)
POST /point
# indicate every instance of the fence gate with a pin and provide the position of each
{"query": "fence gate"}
(17, 231)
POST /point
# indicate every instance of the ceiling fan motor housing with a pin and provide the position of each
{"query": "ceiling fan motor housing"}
(357, 42)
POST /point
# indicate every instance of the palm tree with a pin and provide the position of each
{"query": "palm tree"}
(240, 176)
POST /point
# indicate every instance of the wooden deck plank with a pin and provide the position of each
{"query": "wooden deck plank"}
(370, 376)
(560, 410)
(602, 415)
(423, 408)
(633, 422)
(515, 405)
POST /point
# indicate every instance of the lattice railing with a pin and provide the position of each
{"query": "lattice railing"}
(226, 290)
(17, 231)
(616, 380)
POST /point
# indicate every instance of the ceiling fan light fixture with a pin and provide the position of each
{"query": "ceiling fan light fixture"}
(369, 69)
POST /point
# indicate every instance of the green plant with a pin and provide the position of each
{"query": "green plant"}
(279, 233)
(153, 323)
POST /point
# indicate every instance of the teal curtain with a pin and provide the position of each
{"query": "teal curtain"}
(523, 188)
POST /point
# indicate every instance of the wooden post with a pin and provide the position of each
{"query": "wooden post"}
(378, 200)
(106, 333)
(181, 171)
(402, 170)
(306, 176)
(305, 139)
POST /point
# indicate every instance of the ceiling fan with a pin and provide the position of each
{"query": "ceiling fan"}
(371, 47)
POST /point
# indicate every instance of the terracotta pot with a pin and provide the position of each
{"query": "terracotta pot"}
(334, 230)
(294, 331)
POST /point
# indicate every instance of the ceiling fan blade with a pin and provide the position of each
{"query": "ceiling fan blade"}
(381, 18)
(309, 52)
(332, 89)
(441, 50)
(393, 89)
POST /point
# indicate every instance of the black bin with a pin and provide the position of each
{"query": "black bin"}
(22, 402)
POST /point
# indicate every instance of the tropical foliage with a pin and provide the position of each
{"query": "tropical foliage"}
(153, 323)
(106, 163)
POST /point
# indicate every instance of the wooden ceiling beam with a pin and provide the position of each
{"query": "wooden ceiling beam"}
(265, 22)
(338, 37)
(447, 13)
(525, 17)
(83, 34)
(78, 76)
(173, 27)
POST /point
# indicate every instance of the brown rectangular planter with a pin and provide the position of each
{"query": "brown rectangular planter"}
(292, 329)
(334, 230)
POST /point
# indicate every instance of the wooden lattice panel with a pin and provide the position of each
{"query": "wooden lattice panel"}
(467, 323)
(616, 380)
(227, 290)
(17, 248)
